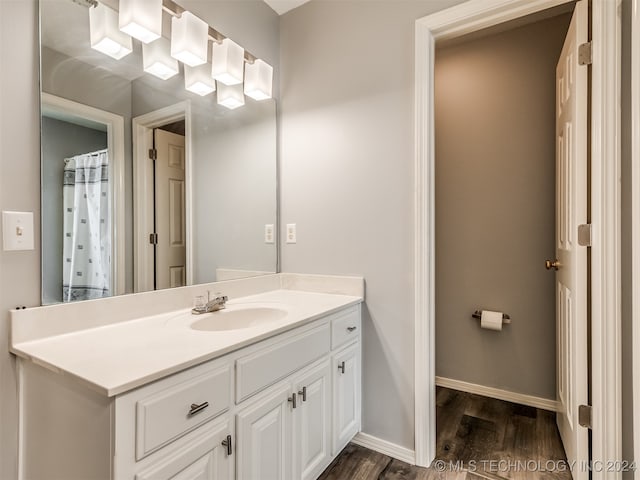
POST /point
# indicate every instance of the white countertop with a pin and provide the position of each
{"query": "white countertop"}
(113, 359)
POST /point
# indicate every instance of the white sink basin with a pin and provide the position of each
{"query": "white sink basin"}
(238, 318)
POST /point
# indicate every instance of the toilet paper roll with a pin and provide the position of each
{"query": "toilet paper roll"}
(491, 320)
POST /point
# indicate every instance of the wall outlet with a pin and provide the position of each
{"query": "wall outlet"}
(269, 236)
(17, 231)
(291, 233)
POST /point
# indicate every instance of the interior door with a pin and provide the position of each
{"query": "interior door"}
(170, 211)
(571, 258)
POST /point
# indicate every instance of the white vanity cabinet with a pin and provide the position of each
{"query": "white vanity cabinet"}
(279, 409)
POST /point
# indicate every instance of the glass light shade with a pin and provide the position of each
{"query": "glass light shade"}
(142, 19)
(189, 39)
(199, 80)
(105, 35)
(227, 60)
(258, 80)
(230, 96)
(157, 60)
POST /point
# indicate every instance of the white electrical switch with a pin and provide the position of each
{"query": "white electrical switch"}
(17, 231)
(291, 233)
(268, 233)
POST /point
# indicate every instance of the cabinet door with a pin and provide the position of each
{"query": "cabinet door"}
(312, 422)
(264, 437)
(346, 396)
(205, 457)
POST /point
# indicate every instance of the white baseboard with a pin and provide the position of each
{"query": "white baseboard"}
(386, 448)
(521, 398)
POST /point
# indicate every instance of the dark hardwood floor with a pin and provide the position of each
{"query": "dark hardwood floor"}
(477, 438)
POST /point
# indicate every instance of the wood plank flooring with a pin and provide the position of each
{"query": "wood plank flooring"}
(483, 438)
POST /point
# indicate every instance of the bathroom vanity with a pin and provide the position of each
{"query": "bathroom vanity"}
(268, 388)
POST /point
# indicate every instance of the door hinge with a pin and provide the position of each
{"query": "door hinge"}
(153, 238)
(153, 154)
(584, 416)
(584, 235)
(584, 54)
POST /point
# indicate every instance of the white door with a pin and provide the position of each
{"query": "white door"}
(171, 250)
(571, 258)
(264, 437)
(312, 422)
(208, 458)
(346, 397)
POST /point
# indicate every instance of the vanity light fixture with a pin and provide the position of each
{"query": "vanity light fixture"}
(157, 60)
(199, 80)
(189, 39)
(142, 19)
(105, 35)
(230, 96)
(258, 80)
(227, 59)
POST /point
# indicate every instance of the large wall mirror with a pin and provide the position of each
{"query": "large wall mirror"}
(145, 185)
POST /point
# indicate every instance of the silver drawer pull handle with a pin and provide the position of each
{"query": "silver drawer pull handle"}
(292, 399)
(341, 367)
(227, 443)
(351, 329)
(195, 408)
(303, 393)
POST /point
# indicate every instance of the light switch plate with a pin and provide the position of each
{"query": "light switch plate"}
(268, 233)
(291, 233)
(17, 231)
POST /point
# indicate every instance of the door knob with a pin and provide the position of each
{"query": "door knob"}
(549, 264)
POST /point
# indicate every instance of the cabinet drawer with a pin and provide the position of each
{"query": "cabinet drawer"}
(170, 413)
(345, 327)
(265, 367)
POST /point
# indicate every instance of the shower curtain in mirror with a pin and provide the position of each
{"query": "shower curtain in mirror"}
(87, 233)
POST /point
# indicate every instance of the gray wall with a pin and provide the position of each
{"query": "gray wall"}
(60, 140)
(234, 188)
(19, 190)
(495, 206)
(346, 156)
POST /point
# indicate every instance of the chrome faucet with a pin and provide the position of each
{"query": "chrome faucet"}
(218, 302)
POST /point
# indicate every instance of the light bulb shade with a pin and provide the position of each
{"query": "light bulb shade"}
(258, 80)
(157, 60)
(189, 39)
(230, 96)
(142, 19)
(199, 80)
(105, 35)
(227, 60)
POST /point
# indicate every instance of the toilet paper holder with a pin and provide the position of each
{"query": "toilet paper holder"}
(506, 319)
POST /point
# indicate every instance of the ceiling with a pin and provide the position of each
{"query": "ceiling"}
(283, 6)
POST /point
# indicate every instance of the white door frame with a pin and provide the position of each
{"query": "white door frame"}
(142, 128)
(115, 146)
(635, 222)
(465, 18)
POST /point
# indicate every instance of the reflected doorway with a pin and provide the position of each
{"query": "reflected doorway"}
(162, 199)
(169, 236)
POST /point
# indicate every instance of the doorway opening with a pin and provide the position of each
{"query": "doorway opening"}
(500, 177)
(162, 199)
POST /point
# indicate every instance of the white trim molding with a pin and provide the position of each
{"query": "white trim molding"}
(465, 18)
(499, 394)
(606, 381)
(635, 222)
(386, 448)
(52, 104)
(142, 133)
